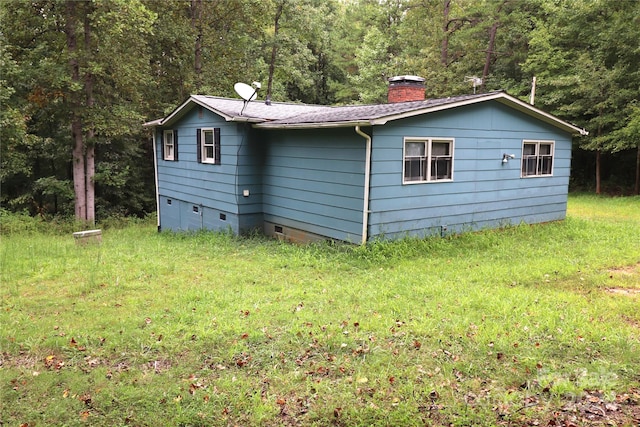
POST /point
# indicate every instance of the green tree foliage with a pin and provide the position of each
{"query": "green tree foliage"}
(586, 57)
(296, 59)
(79, 96)
(102, 67)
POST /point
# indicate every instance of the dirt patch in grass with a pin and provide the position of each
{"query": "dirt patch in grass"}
(625, 271)
(624, 291)
(22, 360)
(627, 275)
(592, 409)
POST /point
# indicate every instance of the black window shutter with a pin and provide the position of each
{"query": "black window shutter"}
(199, 143)
(216, 145)
(175, 145)
(162, 144)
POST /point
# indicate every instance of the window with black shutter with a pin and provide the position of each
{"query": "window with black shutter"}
(208, 145)
(168, 143)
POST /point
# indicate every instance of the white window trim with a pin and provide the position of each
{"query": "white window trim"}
(166, 145)
(429, 141)
(553, 157)
(203, 157)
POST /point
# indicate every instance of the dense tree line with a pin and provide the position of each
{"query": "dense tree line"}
(78, 78)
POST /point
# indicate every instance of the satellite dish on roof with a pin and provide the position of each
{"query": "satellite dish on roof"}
(245, 91)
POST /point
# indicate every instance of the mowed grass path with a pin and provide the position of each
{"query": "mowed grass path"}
(502, 327)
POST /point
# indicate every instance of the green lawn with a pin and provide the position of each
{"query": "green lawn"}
(524, 325)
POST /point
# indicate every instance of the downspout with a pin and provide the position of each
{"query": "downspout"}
(367, 181)
(155, 176)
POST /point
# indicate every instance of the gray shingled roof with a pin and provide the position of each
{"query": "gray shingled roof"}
(365, 113)
(257, 111)
(292, 115)
(279, 114)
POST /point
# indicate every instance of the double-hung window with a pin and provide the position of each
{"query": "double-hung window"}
(170, 144)
(208, 145)
(428, 159)
(537, 158)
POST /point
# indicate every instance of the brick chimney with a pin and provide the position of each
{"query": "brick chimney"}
(405, 88)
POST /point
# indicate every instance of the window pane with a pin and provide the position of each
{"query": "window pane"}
(208, 152)
(414, 149)
(529, 149)
(208, 137)
(441, 168)
(545, 165)
(545, 149)
(440, 149)
(529, 166)
(168, 138)
(414, 169)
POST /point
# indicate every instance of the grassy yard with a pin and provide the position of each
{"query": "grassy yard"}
(527, 325)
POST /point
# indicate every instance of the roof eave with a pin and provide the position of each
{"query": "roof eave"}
(500, 97)
(313, 125)
(245, 119)
(152, 123)
(185, 107)
(542, 115)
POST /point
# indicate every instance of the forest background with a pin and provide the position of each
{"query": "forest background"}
(78, 78)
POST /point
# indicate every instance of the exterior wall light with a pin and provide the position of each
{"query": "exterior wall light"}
(506, 157)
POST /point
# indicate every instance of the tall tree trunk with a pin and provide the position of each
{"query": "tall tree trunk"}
(444, 48)
(90, 167)
(274, 49)
(598, 159)
(78, 161)
(490, 51)
(196, 24)
(636, 189)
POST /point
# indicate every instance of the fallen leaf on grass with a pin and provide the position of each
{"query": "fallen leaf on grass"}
(195, 386)
(85, 398)
(52, 362)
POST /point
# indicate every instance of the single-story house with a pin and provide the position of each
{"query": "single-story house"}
(409, 167)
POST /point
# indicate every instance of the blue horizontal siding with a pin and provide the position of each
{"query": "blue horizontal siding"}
(315, 179)
(484, 191)
(318, 175)
(217, 189)
(463, 220)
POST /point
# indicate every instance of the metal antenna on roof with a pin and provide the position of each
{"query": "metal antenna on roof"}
(246, 92)
(477, 81)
